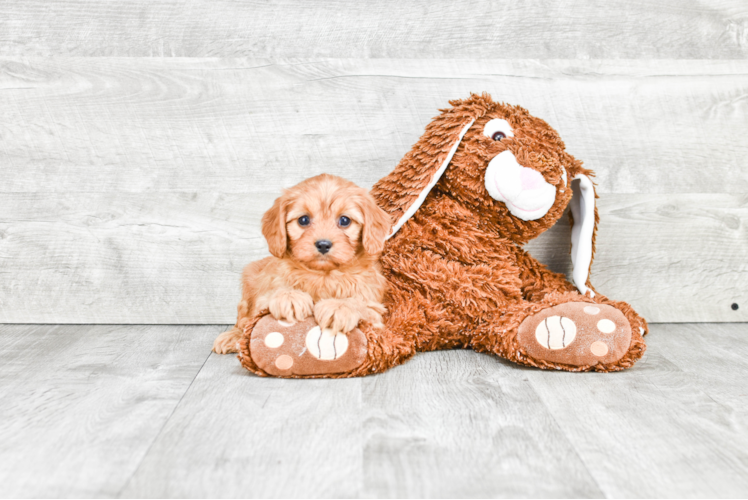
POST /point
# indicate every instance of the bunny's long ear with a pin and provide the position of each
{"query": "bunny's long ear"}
(404, 190)
(584, 221)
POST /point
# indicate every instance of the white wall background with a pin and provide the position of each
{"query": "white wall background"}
(141, 141)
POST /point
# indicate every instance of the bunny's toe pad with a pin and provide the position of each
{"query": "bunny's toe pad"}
(577, 334)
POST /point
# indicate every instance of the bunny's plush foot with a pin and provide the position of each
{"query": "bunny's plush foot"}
(576, 334)
(284, 349)
(303, 350)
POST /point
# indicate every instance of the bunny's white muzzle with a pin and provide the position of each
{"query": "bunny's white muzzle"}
(525, 192)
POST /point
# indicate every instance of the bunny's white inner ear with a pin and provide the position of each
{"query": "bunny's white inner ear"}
(583, 210)
(422, 196)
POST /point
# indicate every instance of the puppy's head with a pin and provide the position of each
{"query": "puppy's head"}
(325, 222)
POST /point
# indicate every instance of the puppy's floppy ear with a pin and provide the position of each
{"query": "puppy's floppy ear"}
(403, 191)
(584, 219)
(274, 227)
(377, 224)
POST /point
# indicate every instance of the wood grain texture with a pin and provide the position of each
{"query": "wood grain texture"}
(722, 349)
(87, 411)
(132, 188)
(675, 258)
(81, 405)
(248, 126)
(455, 424)
(388, 28)
(674, 426)
(235, 434)
(176, 258)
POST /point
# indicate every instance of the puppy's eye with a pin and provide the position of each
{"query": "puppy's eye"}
(344, 221)
(304, 220)
(497, 136)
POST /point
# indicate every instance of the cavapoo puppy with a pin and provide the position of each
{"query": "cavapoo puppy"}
(325, 236)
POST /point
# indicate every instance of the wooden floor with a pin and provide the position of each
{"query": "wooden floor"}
(148, 411)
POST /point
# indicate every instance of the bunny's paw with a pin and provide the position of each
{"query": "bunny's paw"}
(577, 334)
(302, 349)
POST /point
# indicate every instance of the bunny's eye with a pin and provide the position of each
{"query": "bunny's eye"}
(344, 221)
(498, 129)
(304, 220)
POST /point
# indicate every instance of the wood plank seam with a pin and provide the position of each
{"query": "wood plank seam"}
(166, 421)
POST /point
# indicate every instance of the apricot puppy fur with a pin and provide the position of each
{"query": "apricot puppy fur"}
(326, 236)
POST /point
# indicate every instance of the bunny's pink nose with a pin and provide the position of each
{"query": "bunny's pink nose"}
(531, 179)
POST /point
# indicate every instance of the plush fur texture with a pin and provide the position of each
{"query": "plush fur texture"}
(458, 275)
(342, 286)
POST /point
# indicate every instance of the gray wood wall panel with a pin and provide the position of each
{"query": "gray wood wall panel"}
(177, 257)
(145, 125)
(131, 187)
(386, 28)
(675, 258)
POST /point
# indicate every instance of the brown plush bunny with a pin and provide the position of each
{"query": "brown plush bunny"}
(483, 180)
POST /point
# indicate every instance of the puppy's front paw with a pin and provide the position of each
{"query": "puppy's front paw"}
(291, 305)
(226, 342)
(374, 312)
(339, 315)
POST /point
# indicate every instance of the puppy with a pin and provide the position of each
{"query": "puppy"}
(325, 236)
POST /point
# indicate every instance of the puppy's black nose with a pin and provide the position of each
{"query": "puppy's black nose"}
(323, 246)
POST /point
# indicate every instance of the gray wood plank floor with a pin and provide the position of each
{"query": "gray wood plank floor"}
(148, 411)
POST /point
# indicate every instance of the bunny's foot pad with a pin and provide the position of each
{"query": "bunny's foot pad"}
(577, 334)
(285, 349)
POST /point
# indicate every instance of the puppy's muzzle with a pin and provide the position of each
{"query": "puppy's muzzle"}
(323, 246)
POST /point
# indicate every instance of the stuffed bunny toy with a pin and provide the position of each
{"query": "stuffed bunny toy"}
(484, 179)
